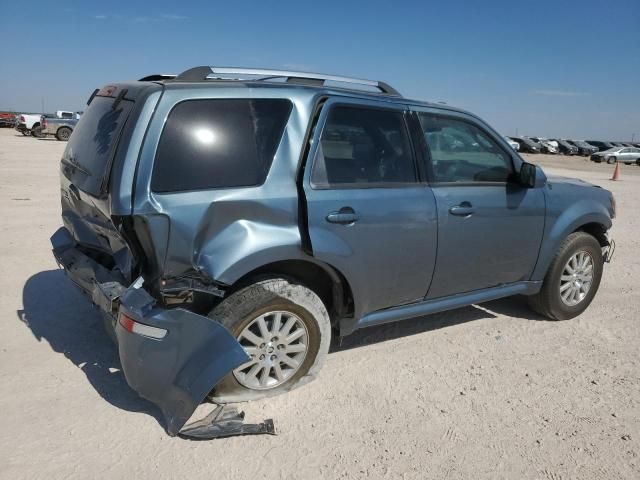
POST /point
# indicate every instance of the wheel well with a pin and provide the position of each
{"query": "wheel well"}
(596, 230)
(329, 284)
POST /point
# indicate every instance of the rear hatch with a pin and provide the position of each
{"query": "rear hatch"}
(85, 170)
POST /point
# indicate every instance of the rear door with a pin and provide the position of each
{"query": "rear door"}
(369, 214)
(489, 229)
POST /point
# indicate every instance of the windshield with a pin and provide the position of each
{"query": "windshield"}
(87, 158)
(612, 150)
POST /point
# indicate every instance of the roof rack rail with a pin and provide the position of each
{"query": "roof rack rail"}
(156, 76)
(196, 74)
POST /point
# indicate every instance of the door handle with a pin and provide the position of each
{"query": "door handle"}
(344, 216)
(463, 210)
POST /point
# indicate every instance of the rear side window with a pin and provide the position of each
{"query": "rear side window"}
(363, 146)
(218, 143)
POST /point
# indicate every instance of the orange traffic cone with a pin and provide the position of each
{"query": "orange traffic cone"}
(616, 172)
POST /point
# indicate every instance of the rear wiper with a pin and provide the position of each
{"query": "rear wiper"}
(75, 165)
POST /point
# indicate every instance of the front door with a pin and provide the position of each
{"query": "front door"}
(369, 215)
(489, 228)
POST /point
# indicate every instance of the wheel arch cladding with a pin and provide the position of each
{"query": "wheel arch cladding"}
(324, 280)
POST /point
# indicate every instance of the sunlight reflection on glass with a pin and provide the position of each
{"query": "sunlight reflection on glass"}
(205, 136)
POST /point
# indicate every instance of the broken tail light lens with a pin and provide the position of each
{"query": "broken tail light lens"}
(130, 325)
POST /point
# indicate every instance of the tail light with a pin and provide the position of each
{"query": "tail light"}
(130, 325)
(22, 118)
(44, 123)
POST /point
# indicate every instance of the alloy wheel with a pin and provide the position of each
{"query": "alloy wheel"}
(576, 278)
(277, 343)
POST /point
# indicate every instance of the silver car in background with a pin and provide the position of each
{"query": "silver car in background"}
(626, 155)
(513, 144)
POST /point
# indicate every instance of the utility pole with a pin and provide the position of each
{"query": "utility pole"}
(633, 136)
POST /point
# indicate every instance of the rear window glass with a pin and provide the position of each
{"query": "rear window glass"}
(86, 160)
(218, 143)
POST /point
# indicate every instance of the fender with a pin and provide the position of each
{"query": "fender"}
(568, 221)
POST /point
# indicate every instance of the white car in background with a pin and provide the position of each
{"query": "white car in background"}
(514, 145)
(548, 146)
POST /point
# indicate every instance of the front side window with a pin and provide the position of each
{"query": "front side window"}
(218, 143)
(461, 152)
(362, 146)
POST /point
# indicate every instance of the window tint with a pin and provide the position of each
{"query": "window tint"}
(218, 143)
(363, 146)
(461, 152)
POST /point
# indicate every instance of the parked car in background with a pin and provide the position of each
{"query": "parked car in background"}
(27, 123)
(228, 229)
(627, 155)
(602, 146)
(7, 119)
(565, 147)
(61, 128)
(548, 146)
(527, 145)
(584, 148)
(515, 145)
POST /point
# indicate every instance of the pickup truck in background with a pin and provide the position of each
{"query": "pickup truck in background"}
(61, 126)
(27, 122)
(7, 119)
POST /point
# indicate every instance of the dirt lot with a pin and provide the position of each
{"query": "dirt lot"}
(491, 391)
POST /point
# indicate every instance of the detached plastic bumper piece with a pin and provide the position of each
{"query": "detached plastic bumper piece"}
(225, 421)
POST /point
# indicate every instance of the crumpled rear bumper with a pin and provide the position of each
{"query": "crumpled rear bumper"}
(175, 372)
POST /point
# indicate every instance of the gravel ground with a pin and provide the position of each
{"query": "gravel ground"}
(488, 391)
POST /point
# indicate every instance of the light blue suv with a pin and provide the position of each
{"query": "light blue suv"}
(228, 222)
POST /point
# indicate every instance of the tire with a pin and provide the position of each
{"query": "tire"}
(549, 301)
(611, 160)
(63, 134)
(242, 311)
(638, 162)
(26, 133)
(37, 132)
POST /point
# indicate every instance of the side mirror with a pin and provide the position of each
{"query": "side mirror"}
(527, 175)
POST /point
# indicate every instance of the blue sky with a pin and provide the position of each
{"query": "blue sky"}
(548, 68)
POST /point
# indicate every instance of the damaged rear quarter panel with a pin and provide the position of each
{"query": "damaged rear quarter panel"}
(227, 232)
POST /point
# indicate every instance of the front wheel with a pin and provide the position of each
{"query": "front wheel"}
(572, 280)
(611, 160)
(285, 330)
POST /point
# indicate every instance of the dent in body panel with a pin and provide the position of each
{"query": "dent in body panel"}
(227, 232)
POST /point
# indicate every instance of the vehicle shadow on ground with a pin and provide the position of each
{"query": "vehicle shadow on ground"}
(512, 307)
(57, 312)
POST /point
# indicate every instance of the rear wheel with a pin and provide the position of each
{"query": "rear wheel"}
(611, 160)
(63, 134)
(572, 280)
(37, 132)
(284, 328)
